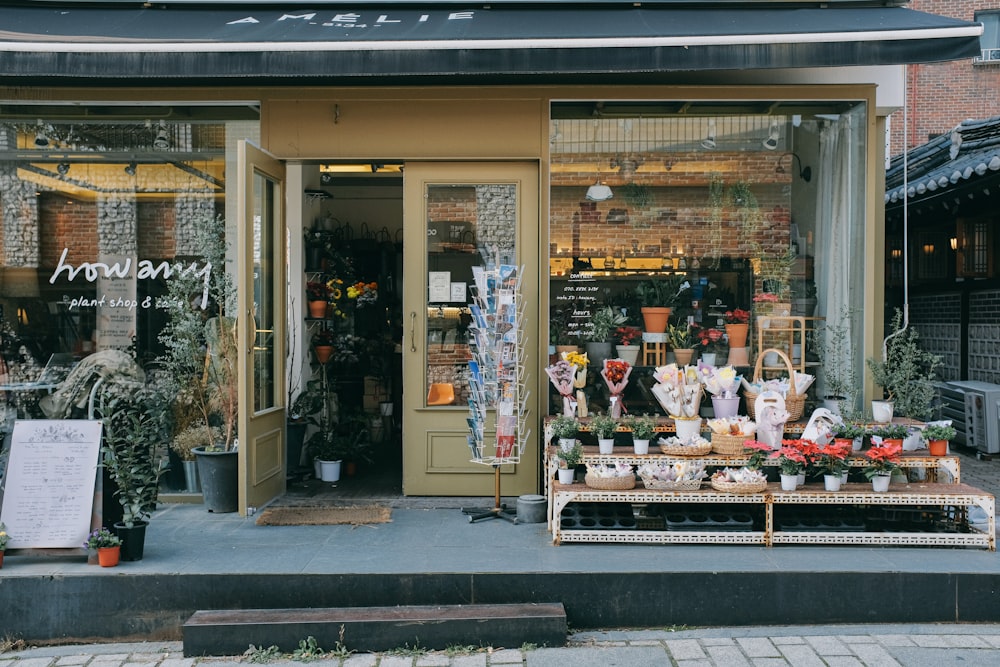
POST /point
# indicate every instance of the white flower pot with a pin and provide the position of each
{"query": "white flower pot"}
(725, 407)
(856, 443)
(688, 428)
(708, 358)
(640, 446)
(566, 475)
(843, 477)
(882, 411)
(566, 444)
(913, 442)
(606, 445)
(629, 353)
(329, 471)
(831, 482)
(800, 479)
(880, 483)
(789, 482)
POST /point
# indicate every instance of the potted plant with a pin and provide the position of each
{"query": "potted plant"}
(568, 459)
(906, 373)
(604, 427)
(682, 340)
(184, 443)
(849, 431)
(317, 297)
(710, 342)
(643, 428)
(135, 430)
(323, 345)
(737, 323)
(937, 436)
(657, 297)
(792, 463)
(106, 544)
(200, 361)
(890, 432)
(883, 461)
(628, 338)
(565, 429)
(4, 538)
(832, 460)
(603, 322)
(328, 447)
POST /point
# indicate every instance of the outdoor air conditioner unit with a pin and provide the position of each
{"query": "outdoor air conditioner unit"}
(974, 408)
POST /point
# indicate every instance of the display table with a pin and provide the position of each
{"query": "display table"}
(873, 520)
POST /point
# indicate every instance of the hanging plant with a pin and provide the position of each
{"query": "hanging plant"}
(716, 194)
(637, 196)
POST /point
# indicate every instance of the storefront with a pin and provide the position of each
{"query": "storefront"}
(622, 143)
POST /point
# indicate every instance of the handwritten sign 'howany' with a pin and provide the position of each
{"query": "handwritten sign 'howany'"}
(49, 487)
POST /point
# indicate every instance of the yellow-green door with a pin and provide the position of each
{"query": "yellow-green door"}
(261, 295)
(452, 213)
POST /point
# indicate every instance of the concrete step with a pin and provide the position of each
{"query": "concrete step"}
(367, 629)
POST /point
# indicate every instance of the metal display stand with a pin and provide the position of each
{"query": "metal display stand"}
(497, 378)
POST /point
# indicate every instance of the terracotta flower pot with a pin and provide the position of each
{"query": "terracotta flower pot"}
(683, 356)
(108, 556)
(737, 334)
(323, 353)
(655, 319)
(317, 309)
(938, 447)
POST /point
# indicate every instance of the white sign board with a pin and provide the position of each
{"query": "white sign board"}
(49, 485)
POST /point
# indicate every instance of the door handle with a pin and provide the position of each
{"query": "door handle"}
(413, 331)
(252, 331)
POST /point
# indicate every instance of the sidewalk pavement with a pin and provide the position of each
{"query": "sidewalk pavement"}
(919, 645)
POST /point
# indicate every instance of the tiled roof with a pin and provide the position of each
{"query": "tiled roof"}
(968, 153)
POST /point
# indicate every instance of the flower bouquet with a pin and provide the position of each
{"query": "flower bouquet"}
(580, 362)
(562, 375)
(730, 433)
(615, 374)
(723, 383)
(615, 477)
(678, 390)
(693, 446)
(363, 293)
(679, 476)
(739, 480)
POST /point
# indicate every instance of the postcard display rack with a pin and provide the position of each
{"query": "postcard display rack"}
(497, 377)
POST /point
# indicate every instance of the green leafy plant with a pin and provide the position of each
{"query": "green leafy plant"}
(890, 431)
(603, 426)
(602, 322)
(681, 338)
(196, 435)
(906, 372)
(135, 431)
(261, 655)
(848, 430)
(565, 426)
(662, 292)
(938, 432)
(836, 356)
(643, 427)
(571, 457)
(308, 650)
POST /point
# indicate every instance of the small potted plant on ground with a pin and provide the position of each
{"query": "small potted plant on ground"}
(937, 436)
(107, 545)
(906, 373)
(604, 427)
(643, 427)
(568, 460)
(565, 429)
(883, 460)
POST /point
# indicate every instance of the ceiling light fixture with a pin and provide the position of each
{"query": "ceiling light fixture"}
(63, 168)
(162, 140)
(771, 143)
(708, 143)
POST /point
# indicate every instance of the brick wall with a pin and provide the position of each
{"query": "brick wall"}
(942, 95)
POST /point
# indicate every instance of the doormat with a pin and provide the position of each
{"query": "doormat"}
(324, 516)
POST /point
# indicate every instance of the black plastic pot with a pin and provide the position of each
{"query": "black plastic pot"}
(133, 539)
(219, 480)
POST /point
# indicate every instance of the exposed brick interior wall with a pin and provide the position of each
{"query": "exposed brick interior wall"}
(942, 95)
(937, 319)
(984, 336)
(156, 230)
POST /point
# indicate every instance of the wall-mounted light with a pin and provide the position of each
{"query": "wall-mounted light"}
(928, 248)
(805, 173)
(130, 168)
(896, 253)
(63, 168)
(708, 143)
(954, 242)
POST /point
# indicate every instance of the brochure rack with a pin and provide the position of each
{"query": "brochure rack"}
(497, 377)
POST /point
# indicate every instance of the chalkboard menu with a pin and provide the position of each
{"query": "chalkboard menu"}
(48, 494)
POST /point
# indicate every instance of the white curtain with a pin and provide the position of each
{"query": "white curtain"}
(840, 216)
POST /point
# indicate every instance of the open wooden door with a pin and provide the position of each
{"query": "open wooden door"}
(261, 283)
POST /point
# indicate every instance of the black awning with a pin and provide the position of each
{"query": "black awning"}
(344, 45)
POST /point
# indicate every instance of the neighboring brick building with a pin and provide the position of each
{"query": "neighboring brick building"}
(941, 95)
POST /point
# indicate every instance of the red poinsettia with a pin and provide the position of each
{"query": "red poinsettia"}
(709, 339)
(884, 458)
(736, 316)
(626, 335)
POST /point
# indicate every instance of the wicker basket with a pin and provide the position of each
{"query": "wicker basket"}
(739, 487)
(729, 445)
(663, 485)
(610, 483)
(686, 450)
(795, 403)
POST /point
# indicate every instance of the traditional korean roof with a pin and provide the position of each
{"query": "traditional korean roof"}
(951, 164)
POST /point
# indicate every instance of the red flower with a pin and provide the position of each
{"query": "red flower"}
(736, 316)
(709, 338)
(627, 334)
(615, 370)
